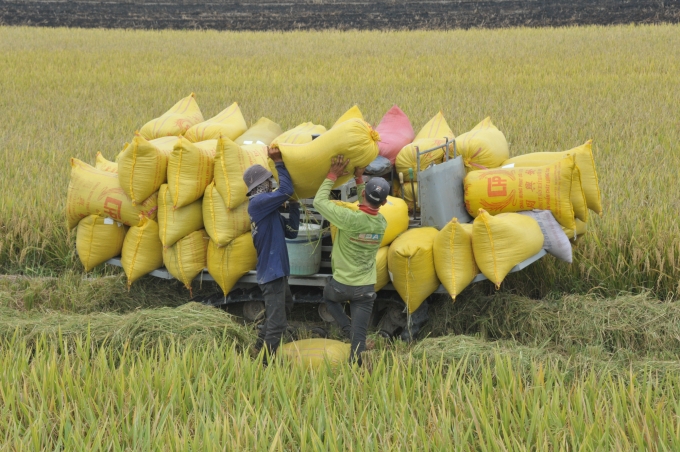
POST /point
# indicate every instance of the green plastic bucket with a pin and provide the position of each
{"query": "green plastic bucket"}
(304, 252)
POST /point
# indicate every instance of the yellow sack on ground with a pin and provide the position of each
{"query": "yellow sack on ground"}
(175, 121)
(383, 275)
(229, 263)
(581, 228)
(410, 261)
(517, 189)
(395, 213)
(92, 191)
(165, 144)
(105, 165)
(483, 147)
(177, 223)
(228, 123)
(308, 163)
(190, 170)
(300, 134)
(583, 156)
(407, 157)
(313, 353)
(223, 225)
(437, 127)
(352, 113)
(500, 242)
(454, 260)
(98, 239)
(262, 132)
(188, 257)
(142, 250)
(142, 169)
(231, 161)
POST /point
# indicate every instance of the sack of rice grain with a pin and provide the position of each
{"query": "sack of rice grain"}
(262, 132)
(410, 261)
(222, 224)
(434, 133)
(187, 257)
(382, 274)
(300, 134)
(500, 242)
(228, 123)
(105, 165)
(483, 147)
(314, 353)
(395, 131)
(352, 113)
(583, 156)
(175, 121)
(229, 263)
(518, 189)
(308, 163)
(142, 169)
(92, 191)
(454, 260)
(177, 223)
(142, 250)
(231, 160)
(98, 239)
(190, 170)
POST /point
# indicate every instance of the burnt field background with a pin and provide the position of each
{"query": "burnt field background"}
(331, 14)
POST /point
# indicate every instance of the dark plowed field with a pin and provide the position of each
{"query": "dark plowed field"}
(302, 15)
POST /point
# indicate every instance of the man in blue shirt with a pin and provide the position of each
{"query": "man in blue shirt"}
(270, 230)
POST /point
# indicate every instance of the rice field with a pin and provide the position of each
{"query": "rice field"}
(564, 357)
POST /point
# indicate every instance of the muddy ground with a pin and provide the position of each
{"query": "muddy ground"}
(343, 15)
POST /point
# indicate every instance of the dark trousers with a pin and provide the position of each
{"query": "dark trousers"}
(360, 304)
(277, 298)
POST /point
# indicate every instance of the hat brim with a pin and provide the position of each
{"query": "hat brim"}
(259, 180)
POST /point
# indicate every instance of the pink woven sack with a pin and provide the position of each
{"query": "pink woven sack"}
(395, 131)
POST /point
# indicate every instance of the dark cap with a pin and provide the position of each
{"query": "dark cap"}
(377, 190)
(255, 175)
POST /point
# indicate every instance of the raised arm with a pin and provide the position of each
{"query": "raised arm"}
(339, 216)
(267, 203)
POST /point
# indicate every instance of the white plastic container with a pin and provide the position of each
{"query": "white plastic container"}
(304, 252)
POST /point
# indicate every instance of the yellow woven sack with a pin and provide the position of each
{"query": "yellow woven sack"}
(165, 144)
(92, 191)
(98, 239)
(517, 189)
(231, 161)
(437, 127)
(407, 156)
(300, 134)
(229, 263)
(105, 165)
(190, 170)
(208, 146)
(115, 159)
(223, 225)
(308, 163)
(500, 242)
(314, 353)
(228, 123)
(395, 213)
(177, 223)
(410, 261)
(142, 169)
(262, 132)
(581, 227)
(397, 189)
(383, 275)
(142, 250)
(352, 113)
(483, 147)
(453, 257)
(188, 257)
(583, 156)
(175, 121)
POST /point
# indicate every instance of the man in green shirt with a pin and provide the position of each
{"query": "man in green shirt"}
(354, 251)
